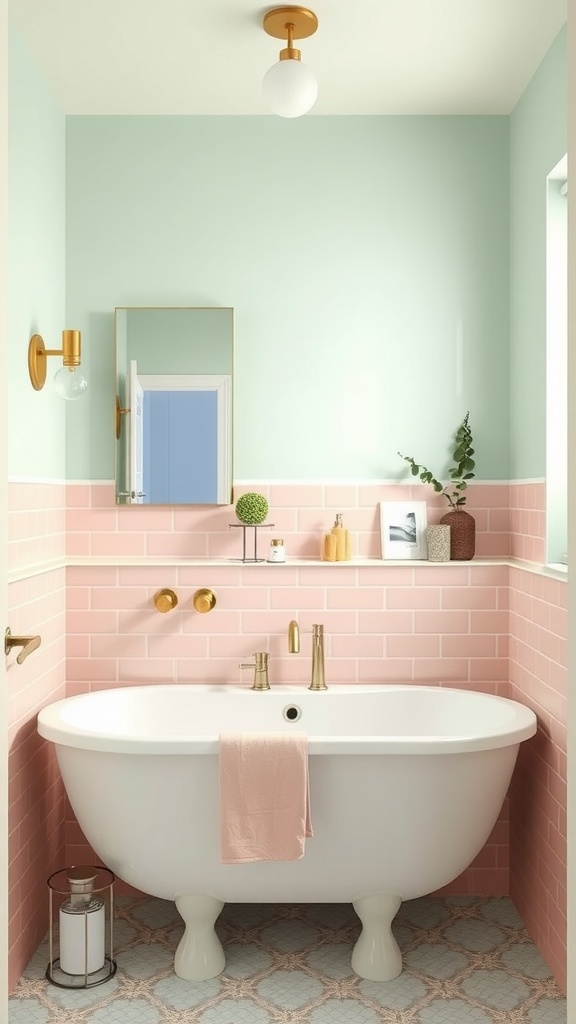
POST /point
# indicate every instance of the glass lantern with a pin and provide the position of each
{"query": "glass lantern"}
(80, 938)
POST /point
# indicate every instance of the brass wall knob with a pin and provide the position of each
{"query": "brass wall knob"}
(165, 600)
(204, 600)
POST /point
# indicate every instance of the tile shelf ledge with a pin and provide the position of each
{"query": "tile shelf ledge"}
(27, 572)
(289, 563)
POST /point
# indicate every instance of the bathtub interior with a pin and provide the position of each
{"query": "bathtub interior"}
(174, 711)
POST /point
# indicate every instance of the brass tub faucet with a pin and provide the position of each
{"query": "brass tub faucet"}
(318, 681)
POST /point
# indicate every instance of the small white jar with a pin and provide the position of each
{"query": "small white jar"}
(277, 551)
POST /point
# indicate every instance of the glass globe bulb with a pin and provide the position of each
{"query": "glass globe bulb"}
(70, 383)
(290, 89)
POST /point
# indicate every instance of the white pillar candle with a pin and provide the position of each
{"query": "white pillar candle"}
(82, 939)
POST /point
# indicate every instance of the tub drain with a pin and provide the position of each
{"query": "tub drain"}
(292, 713)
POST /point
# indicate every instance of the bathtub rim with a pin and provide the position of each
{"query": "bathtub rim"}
(523, 726)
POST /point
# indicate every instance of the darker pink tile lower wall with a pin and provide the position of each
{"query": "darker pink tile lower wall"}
(538, 677)
(538, 674)
(36, 604)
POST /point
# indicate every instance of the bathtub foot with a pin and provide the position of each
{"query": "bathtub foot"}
(376, 955)
(199, 955)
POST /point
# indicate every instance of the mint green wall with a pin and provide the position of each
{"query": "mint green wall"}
(538, 140)
(366, 258)
(36, 258)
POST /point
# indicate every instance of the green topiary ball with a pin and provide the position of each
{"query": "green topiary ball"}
(251, 508)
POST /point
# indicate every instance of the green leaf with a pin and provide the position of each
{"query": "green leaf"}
(414, 470)
(469, 465)
(437, 487)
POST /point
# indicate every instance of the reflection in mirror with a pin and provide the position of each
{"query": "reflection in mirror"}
(174, 370)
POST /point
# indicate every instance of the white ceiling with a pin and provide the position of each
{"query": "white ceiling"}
(209, 56)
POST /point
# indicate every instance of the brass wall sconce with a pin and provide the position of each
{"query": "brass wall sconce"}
(165, 600)
(290, 87)
(69, 381)
(204, 600)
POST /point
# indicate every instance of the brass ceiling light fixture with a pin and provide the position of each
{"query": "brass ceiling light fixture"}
(290, 87)
(69, 381)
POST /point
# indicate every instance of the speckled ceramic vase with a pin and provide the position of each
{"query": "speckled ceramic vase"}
(462, 534)
(438, 541)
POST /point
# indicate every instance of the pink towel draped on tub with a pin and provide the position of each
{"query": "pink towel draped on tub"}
(264, 796)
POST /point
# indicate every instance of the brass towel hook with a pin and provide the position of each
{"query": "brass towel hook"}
(27, 643)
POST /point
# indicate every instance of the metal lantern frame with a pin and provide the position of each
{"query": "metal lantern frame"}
(61, 885)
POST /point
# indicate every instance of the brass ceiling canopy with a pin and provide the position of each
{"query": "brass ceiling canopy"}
(290, 23)
(304, 22)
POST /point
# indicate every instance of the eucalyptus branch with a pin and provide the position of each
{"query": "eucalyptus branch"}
(460, 473)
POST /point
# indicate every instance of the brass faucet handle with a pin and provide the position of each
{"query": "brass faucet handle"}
(261, 659)
(165, 600)
(204, 600)
(27, 643)
(293, 637)
(260, 666)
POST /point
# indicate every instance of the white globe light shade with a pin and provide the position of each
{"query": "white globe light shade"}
(290, 88)
(70, 383)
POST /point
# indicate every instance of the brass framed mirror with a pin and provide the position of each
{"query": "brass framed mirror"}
(174, 405)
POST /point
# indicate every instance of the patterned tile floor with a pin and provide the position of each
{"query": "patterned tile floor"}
(466, 961)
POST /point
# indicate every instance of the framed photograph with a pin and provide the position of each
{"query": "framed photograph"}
(403, 529)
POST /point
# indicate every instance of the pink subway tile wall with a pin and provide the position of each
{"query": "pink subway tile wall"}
(383, 622)
(527, 521)
(36, 524)
(300, 514)
(36, 605)
(538, 676)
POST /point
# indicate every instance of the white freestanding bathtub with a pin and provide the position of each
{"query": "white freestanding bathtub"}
(406, 784)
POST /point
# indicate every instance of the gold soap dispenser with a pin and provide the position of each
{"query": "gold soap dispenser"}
(340, 533)
(337, 544)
